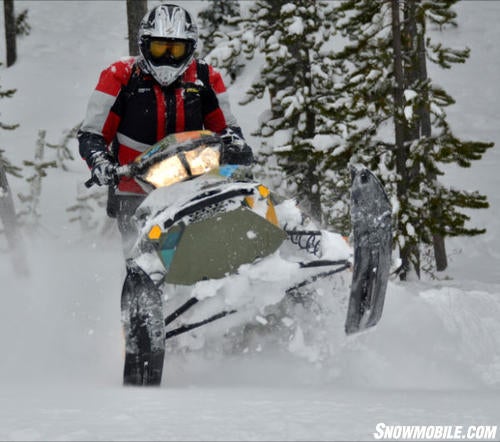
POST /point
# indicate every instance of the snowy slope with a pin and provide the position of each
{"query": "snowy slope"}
(434, 358)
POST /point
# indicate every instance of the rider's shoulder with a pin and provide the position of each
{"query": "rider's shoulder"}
(121, 69)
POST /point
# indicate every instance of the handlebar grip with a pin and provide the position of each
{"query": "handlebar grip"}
(119, 172)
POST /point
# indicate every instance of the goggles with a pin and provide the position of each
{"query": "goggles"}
(175, 50)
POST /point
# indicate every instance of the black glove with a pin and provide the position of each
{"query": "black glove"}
(103, 170)
(235, 149)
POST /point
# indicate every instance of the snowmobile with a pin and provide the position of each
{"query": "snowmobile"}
(206, 220)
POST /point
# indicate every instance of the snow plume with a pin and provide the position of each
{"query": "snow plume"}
(60, 323)
(429, 337)
(437, 338)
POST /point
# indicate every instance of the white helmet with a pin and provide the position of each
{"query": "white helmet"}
(167, 39)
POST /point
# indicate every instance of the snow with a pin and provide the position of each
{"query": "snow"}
(433, 359)
(334, 246)
(297, 27)
(408, 111)
(323, 142)
(409, 94)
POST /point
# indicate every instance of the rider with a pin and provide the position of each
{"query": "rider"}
(140, 100)
(137, 102)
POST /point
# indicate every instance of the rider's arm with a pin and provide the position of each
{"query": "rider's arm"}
(236, 149)
(217, 83)
(101, 122)
(213, 116)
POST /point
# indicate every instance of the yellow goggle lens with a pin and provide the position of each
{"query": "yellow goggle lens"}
(159, 48)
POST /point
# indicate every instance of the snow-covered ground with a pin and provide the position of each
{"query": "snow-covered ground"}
(433, 359)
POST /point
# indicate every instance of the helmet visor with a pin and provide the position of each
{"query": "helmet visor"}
(168, 52)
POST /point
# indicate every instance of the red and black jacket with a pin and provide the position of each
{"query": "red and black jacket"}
(129, 111)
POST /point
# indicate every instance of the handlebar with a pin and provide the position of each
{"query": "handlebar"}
(232, 153)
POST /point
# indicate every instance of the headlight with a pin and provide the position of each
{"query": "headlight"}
(166, 172)
(202, 160)
(183, 165)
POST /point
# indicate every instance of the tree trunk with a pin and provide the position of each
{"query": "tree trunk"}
(413, 128)
(398, 94)
(7, 212)
(136, 10)
(10, 31)
(425, 118)
(400, 130)
(310, 130)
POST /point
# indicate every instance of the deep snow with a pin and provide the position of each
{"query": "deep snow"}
(434, 358)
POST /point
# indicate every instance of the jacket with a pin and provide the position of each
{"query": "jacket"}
(129, 111)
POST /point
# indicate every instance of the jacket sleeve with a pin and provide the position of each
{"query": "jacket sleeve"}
(101, 122)
(217, 83)
(213, 116)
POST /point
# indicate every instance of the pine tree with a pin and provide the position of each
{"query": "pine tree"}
(63, 151)
(15, 25)
(7, 210)
(5, 164)
(30, 214)
(8, 216)
(303, 123)
(386, 82)
(88, 209)
(220, 34)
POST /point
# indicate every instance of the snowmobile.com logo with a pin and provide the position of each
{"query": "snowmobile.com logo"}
(434, 432)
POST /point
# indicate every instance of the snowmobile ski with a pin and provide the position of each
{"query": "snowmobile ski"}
(372, 237)
(142, 319)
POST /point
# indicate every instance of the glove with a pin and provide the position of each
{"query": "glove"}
(232, 136)
(235, 149)
(103, 170)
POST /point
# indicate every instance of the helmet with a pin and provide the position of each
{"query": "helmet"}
(167, 39)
